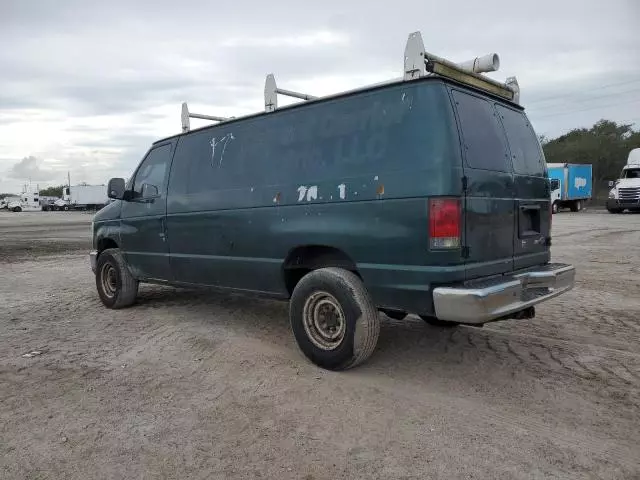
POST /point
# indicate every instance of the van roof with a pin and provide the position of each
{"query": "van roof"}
(377, 86)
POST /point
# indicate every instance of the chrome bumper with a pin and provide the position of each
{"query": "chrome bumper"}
(481, 301)
(93, 259)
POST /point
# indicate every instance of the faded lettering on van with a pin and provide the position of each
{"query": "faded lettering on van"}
(310, 193)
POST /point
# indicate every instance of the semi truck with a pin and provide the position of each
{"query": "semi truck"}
(625, 192)
(4, 202)
(83, 197)
(28, 201)
(571, 185)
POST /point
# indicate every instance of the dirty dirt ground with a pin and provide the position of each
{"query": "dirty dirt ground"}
(210, 386)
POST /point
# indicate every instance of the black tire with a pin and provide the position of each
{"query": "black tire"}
(576, 206)
(555, 208)
(343, 294)
(17, 209)
(66, 208)
(433, 321)
(614, 210)
(395, 314)
(116, 286)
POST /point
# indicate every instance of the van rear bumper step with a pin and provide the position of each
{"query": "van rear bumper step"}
(483, 300)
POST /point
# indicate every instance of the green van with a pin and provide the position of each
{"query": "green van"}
(428, 195)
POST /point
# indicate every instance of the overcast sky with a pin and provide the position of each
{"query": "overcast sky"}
(86, 85)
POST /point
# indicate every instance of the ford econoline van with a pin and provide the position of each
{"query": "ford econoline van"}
(428, 196)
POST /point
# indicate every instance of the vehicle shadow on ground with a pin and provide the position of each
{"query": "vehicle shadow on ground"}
(407, 346)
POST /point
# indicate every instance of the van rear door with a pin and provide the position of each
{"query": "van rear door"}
(531, 233)
(489, 213)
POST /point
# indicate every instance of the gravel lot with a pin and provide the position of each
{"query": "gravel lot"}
(201, 385)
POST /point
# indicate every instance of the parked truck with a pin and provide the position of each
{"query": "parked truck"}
(83, 197)
(625, 192)
(28, 201)
(4, 202)
(571, 185)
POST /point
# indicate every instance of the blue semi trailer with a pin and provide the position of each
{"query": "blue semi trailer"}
(571, 185)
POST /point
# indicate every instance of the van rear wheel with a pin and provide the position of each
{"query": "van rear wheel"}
(334, 319)
(116, 286)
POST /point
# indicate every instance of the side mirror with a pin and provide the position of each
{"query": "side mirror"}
(116, 188)
(149, 191)
(611, 183)
(555, 184)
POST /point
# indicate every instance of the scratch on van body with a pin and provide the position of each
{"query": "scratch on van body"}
(224, 141)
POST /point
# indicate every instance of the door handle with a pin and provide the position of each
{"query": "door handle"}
(530, 207)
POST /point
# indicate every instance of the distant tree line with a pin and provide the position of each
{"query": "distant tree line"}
(606, 146)
(52, 191)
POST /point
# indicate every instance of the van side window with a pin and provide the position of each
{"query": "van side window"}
(153, 171)
(484, 144)
(524, 146)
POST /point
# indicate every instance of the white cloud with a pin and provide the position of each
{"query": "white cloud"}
(305, 40)
(31, 169)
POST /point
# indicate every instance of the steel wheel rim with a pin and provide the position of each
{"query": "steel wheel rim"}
(324, 321)
(109, 279)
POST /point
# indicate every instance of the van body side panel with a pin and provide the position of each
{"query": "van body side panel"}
(353, 173)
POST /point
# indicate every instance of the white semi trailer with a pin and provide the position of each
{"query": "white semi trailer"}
(83, 197)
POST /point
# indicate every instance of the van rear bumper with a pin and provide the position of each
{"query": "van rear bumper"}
(480, 301)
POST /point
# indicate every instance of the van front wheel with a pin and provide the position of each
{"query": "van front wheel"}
(116, 286)
(334, 319)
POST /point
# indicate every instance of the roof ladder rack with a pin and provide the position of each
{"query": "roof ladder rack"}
(419, 63)
(186, 115)
(271, 92)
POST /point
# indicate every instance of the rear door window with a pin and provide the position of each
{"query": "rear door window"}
(483, 138)
(525, 148)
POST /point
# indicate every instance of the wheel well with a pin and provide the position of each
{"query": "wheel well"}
(105, 243)
(301, 260)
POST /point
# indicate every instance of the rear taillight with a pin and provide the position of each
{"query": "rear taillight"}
(444, 223)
